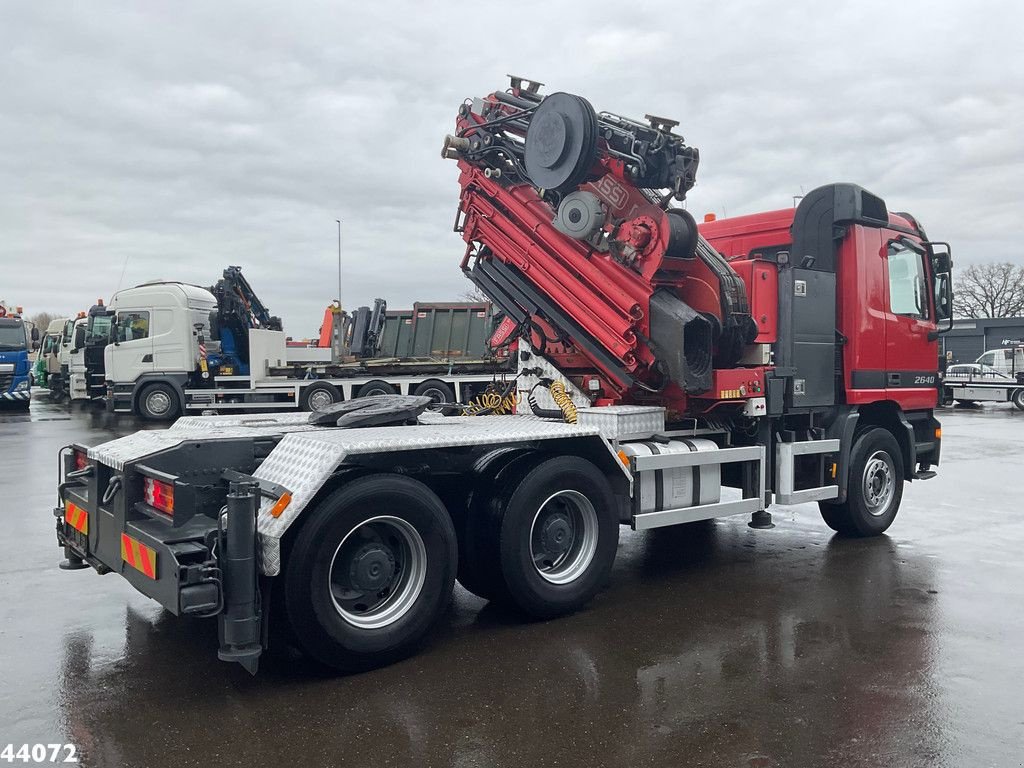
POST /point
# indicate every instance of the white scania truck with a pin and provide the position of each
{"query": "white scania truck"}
(169, 355)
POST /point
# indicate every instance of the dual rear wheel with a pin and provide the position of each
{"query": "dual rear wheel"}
(372, 569)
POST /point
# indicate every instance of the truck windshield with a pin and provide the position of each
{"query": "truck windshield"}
(12, 335)
(99, 330)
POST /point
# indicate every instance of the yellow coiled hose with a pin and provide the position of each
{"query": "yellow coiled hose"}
(493, 404)
(563, 401)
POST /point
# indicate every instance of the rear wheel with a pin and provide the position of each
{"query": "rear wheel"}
(370, 572)
(318, 396)
(875, 486)
(436, 390)
(1018, 399)
(377, 387)
(554, 534)
(159, 402)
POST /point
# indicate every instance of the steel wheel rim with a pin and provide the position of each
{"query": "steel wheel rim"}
(158, 402)
(437, 395)
(879, 483)
(563, 537)
(364, 593)
(320, 399)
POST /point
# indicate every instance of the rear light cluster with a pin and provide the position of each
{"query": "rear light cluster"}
(81, 460)
(159, 495)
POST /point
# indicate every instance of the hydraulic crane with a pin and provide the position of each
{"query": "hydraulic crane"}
(238, 310)
(574, 228)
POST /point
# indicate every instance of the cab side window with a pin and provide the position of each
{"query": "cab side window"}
(132, 326)
(989, 358)
(908, 293)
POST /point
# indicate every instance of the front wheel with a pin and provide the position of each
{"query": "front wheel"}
(875, 487)
(1018, 399)
(318, 396)
(371, 572)
(159, 402)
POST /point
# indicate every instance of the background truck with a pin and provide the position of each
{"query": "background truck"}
(667, 377)
(181, 348)
(996, 376)
(18, 340)
(47, 359)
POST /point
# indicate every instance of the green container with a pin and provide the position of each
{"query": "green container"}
(445, 331)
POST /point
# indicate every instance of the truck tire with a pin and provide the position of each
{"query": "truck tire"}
(370, 572)
(875, 486)
(318, 396)
(159, 402)
(436, 390)
(558, 536)
(376, 387)
(1018, 399)
(478, 526)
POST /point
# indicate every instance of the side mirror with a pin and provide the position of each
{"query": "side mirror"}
(35, 335)
(943, 304)
(35, 345)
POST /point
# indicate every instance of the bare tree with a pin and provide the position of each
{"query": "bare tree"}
(42, 320)
(474, 294)
(989, 290)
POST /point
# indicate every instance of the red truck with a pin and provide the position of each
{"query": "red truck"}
(667, 374)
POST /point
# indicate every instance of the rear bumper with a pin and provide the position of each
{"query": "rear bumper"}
(174, 566)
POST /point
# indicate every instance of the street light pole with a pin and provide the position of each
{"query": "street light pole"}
(339, 262)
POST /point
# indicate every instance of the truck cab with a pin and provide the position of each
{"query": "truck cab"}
(844, 256)
(16, 343)
(47, 360)
(156, 329)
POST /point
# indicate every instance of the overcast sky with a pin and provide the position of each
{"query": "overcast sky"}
(186, 136)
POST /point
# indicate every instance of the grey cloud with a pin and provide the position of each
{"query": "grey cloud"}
(188, 136)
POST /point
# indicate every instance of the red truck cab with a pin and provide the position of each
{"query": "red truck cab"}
(889, 305)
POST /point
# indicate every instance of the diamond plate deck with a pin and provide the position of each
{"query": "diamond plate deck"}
(307, 455)
(302, 462)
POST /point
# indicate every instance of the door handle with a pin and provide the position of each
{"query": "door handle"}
(894, 380)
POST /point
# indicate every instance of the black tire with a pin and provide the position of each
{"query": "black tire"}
(947, 397)
(314, 583)
(376, 387)
(318, 396)
(436, 390)
(479, 529)
(577, 501)
(876, 459)
(1018, 399)
(159, 402)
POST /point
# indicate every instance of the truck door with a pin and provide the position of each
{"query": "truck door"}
(911, 359)
(132, 352)
(172, 341)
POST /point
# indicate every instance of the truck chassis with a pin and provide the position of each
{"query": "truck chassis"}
(353, 538)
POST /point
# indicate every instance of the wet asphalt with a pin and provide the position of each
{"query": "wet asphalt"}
(712, 645)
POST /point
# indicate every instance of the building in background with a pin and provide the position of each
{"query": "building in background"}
(971, 338)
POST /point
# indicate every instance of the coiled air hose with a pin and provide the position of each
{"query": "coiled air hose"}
(566, 407)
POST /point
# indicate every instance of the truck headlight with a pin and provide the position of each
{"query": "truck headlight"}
(22, 386)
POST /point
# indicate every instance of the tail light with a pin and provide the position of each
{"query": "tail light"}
(159, 495)
(81, 460)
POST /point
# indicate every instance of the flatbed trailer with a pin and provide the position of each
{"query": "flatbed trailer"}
(984, 388)
(306, 387)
